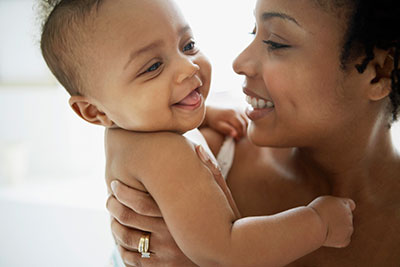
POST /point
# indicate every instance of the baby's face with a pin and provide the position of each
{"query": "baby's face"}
(146, 73)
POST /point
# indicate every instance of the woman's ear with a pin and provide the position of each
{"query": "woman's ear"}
(381, 83)
(89, 112)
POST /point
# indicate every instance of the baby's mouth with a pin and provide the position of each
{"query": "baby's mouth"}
(258, 103)
(191, 99)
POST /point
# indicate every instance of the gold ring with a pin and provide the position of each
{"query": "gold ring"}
(143, 246)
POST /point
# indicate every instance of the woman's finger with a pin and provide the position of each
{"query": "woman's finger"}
(130, 218)
(136, 200)
(163, 249)
(216, 171)
(127, 237)
(205, 158)
(131, 258)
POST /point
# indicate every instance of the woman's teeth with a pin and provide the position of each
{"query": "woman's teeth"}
(259, 103)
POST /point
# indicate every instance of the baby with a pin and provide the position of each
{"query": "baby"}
(133, 67)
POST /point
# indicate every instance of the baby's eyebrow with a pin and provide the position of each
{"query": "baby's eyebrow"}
(184, 29)
(142, 50)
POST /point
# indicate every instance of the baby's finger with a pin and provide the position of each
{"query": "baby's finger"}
(352, 204)
(245, 119)
(226, 129)
(239, 125)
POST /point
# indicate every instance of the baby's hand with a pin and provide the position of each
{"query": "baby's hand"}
(337, 214)
(229, 122)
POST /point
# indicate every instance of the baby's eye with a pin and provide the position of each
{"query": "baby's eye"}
(190, 46)
(274, 45)
(154, 67)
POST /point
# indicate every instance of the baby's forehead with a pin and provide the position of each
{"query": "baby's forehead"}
(130, 22)
(138, 13)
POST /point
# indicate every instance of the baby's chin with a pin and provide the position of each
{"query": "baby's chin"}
(186, 128)
(179, 128)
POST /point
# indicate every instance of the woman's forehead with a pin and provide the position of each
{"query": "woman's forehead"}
(305, 13)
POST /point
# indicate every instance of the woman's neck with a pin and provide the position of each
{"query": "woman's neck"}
(352, 166)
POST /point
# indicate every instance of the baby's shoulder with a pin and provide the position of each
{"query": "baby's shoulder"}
(139, 150)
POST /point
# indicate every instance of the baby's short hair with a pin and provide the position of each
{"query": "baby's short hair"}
(63, 35)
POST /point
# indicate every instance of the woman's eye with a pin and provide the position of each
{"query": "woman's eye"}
(189, 46)
(274, 45)
(254, 31)
(154, 67)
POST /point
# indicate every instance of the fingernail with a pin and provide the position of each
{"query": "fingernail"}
(203, 154)
(113, 185)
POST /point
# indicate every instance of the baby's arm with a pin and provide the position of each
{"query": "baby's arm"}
(199, 215)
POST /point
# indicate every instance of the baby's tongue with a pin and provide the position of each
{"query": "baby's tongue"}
(192, 99)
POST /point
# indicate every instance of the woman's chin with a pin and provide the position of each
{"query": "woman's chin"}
(264, 138)
(257, 137)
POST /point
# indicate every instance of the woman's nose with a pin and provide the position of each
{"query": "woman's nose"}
(186, 68)
(246, 63)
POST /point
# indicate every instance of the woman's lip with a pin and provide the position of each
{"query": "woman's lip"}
(246, 91)
(256, 114)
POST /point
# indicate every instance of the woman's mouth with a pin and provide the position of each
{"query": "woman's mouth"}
(259, 107)
(259, 103)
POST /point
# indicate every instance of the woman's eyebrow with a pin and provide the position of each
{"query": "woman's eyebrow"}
(269, 15)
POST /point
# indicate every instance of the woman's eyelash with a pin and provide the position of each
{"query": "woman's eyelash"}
(271, 44)
(274, 45)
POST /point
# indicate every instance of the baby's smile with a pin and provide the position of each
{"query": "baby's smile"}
(192, 101)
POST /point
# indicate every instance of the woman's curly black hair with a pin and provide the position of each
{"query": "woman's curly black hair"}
(373, 24)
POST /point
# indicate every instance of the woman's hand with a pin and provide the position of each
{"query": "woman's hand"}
(134, 213)
(228, 122)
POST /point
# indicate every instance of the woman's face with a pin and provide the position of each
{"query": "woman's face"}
(298, 94)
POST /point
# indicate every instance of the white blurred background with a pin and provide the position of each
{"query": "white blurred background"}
(52, 190)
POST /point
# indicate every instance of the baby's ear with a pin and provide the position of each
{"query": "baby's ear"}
(88, 111)
(381, 84)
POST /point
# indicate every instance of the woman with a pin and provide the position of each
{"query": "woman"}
(330, 68)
